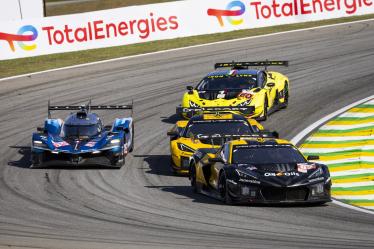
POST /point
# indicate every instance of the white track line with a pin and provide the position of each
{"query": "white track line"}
(327, 149)
(320, 122)
(184, 48)
(342, 204)
(356, 115)
(323, 120)
(339, 139)
(356, 159)
(343, 127)
(352, 172)
(352, 184)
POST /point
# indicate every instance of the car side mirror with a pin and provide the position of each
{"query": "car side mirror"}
(190, 89)
(172, 133)
(275, 134)
(126, 130)
(312, 158)
(271, 84)
(215, 160)
(256, 90)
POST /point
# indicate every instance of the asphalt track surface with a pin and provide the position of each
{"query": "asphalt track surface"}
(143, 205)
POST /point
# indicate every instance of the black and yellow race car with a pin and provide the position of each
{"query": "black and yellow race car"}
(240, 89)
(186, 136)
(259, 170)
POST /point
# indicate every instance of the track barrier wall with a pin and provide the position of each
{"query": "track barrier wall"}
(137, 24)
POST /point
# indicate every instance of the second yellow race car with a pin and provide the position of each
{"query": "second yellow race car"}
(239, 89)
(188, 136)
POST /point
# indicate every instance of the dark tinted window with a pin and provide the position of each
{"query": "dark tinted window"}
(267, 155)
(81, 130)
(227, 82)
(261, 79)
(231, 127)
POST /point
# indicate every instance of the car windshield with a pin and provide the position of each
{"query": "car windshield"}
(227, 82)
(81, 130)
(223, 127)
(266, 155)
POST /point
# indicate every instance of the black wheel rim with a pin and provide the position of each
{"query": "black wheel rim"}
(193, 176)
(286, 95)
(222, 185)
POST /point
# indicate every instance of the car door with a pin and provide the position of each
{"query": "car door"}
(216, 168)
(263, 81)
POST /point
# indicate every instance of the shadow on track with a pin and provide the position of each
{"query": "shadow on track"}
(24, 161)
(158, 164)
(172, 119)
(186, 192)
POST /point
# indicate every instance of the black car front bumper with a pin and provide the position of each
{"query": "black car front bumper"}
(48, 158)
(253, 193)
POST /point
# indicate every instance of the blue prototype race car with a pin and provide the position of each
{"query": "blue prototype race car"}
(82, 138)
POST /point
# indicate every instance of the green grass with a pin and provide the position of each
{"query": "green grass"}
(79, 7)
(39, 63)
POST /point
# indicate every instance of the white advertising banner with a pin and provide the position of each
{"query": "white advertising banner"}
(145, 23)
(11, 10)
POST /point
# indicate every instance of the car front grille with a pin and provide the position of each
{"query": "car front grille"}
(285, 194)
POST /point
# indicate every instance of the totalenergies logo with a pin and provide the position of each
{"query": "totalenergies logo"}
(25, 34)
(234, 8)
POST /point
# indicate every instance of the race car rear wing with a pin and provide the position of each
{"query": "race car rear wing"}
(87, 108)
(219, 139)
(246, 65)
(245, 110)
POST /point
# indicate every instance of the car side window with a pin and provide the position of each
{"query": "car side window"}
(225, 152)
(261, 80)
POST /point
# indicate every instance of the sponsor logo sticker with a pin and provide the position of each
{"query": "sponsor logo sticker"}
(26, 33)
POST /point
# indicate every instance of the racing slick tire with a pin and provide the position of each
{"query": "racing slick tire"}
(36, 160)
(286, 96)
(172, 169)
(132, 139)
(118, 161)
(223, 189)
(265, 112)
(192, 175)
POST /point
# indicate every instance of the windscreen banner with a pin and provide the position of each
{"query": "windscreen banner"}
(137, 24)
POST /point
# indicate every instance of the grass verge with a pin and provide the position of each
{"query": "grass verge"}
(45, 62)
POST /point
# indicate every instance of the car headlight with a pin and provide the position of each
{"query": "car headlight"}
(185, 148)
(245, 103)
(115, 141)
(317, 173)
(113, 144)
(193, 104)
(246, 177)
(317, 189)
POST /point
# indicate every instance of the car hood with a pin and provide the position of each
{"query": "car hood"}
(285, 175)
(75, 145)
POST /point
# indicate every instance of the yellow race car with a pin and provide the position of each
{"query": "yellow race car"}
(187, 136)
(238, 89)
(259, 170)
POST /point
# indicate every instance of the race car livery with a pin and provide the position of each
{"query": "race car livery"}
(187, 136)
(82, 138)
(249, 92)
(259, 170)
